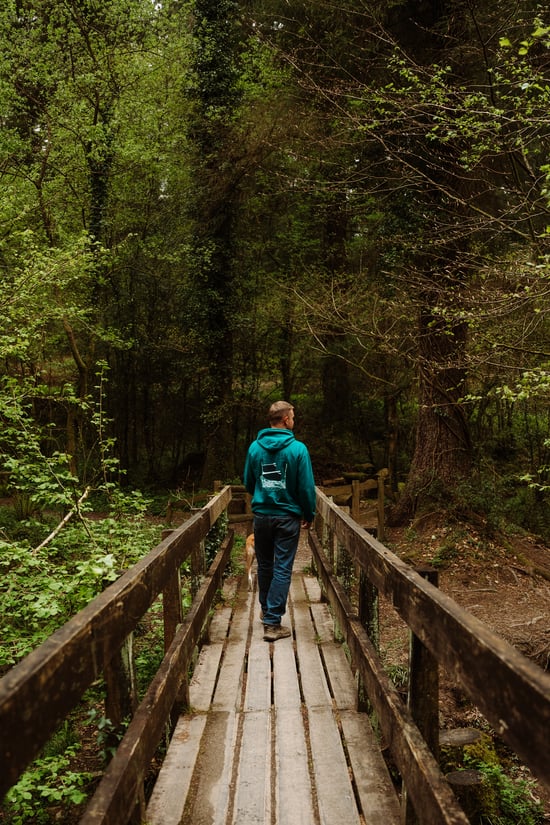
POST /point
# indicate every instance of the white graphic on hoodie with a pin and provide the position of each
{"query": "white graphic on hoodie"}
(272, 477)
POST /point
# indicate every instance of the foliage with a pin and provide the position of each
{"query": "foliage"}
(505, 800)
(41, 590)
(505, 797)
(356, 174)
(215, 537)
(50, 781)
(41, 478)
(108, 736)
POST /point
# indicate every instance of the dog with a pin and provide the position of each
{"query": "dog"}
(249, 557)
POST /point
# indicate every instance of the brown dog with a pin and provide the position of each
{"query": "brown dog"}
(249, 556)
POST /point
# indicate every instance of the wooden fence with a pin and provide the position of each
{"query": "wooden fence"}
(512, 692)
(350, 495)
(39, 692)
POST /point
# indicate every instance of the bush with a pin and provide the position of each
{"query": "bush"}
(48, 782)
(506, 801)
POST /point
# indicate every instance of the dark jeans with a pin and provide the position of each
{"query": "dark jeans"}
(275, 542)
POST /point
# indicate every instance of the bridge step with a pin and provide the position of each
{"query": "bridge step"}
(273, 735)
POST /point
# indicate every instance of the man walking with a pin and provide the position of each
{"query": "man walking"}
(279, 477)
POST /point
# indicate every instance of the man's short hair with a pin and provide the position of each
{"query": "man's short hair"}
(278, 410)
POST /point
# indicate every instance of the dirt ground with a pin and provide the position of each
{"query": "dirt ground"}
(504, 581)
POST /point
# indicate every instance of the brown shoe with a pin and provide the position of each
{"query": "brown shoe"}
(276, 631)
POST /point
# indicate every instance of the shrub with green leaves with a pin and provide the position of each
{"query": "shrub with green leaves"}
(506, 801)
(49, 781)
(41, 589)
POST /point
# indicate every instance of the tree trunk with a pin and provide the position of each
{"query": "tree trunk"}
(392, 429)
(443, 453)
(214, 209)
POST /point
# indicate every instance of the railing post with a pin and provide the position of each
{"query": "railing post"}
(120, 703)
(369, 615)
(355, 498)
(332, 548)
(381, 532)
(171, 604)
(172, 617)
(368, 608)
(328, 543)
(120, 687)
(198, 566)
(423, 694)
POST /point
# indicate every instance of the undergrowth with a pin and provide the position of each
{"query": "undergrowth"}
(40, 590)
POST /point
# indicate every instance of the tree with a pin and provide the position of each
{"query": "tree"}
(453, 153)
(214, 207)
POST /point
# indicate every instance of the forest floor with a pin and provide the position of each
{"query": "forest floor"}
(503, 580)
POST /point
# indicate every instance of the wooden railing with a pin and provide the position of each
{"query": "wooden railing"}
(40, 691)
(511, 692)
(351, 494)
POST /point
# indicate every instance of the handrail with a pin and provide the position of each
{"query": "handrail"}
(512, 692)
(39, 692)
(119, 790)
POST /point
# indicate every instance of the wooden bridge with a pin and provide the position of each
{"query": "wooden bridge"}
(284, 732)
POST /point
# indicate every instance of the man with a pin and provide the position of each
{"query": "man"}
(279, 477)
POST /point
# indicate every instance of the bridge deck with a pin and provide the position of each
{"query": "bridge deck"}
(274, 735)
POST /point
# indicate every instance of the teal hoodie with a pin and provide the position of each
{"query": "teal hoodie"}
(278, 475)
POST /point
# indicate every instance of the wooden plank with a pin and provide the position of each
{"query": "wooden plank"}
(210, 797)
(323, 622)
(314, 684)
(346, 489)
(219, 624)
(206, 669)
(294, 798)
(253, 792)
(172, 786)
(258, 678)
(228, 695)
(201, 687)
(375, 789)
(342, 683)
(312, 588)
(334, 789)
(297, 591)
(286, 688)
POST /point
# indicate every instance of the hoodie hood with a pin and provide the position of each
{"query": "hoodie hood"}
(275, 439)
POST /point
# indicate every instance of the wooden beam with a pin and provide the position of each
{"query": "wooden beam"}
(67, 663)
(119, 789)
(511, 691)
(430, 793)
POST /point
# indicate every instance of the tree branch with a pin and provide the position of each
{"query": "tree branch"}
(62, 523)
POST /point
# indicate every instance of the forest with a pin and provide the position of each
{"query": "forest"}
(209, 205)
